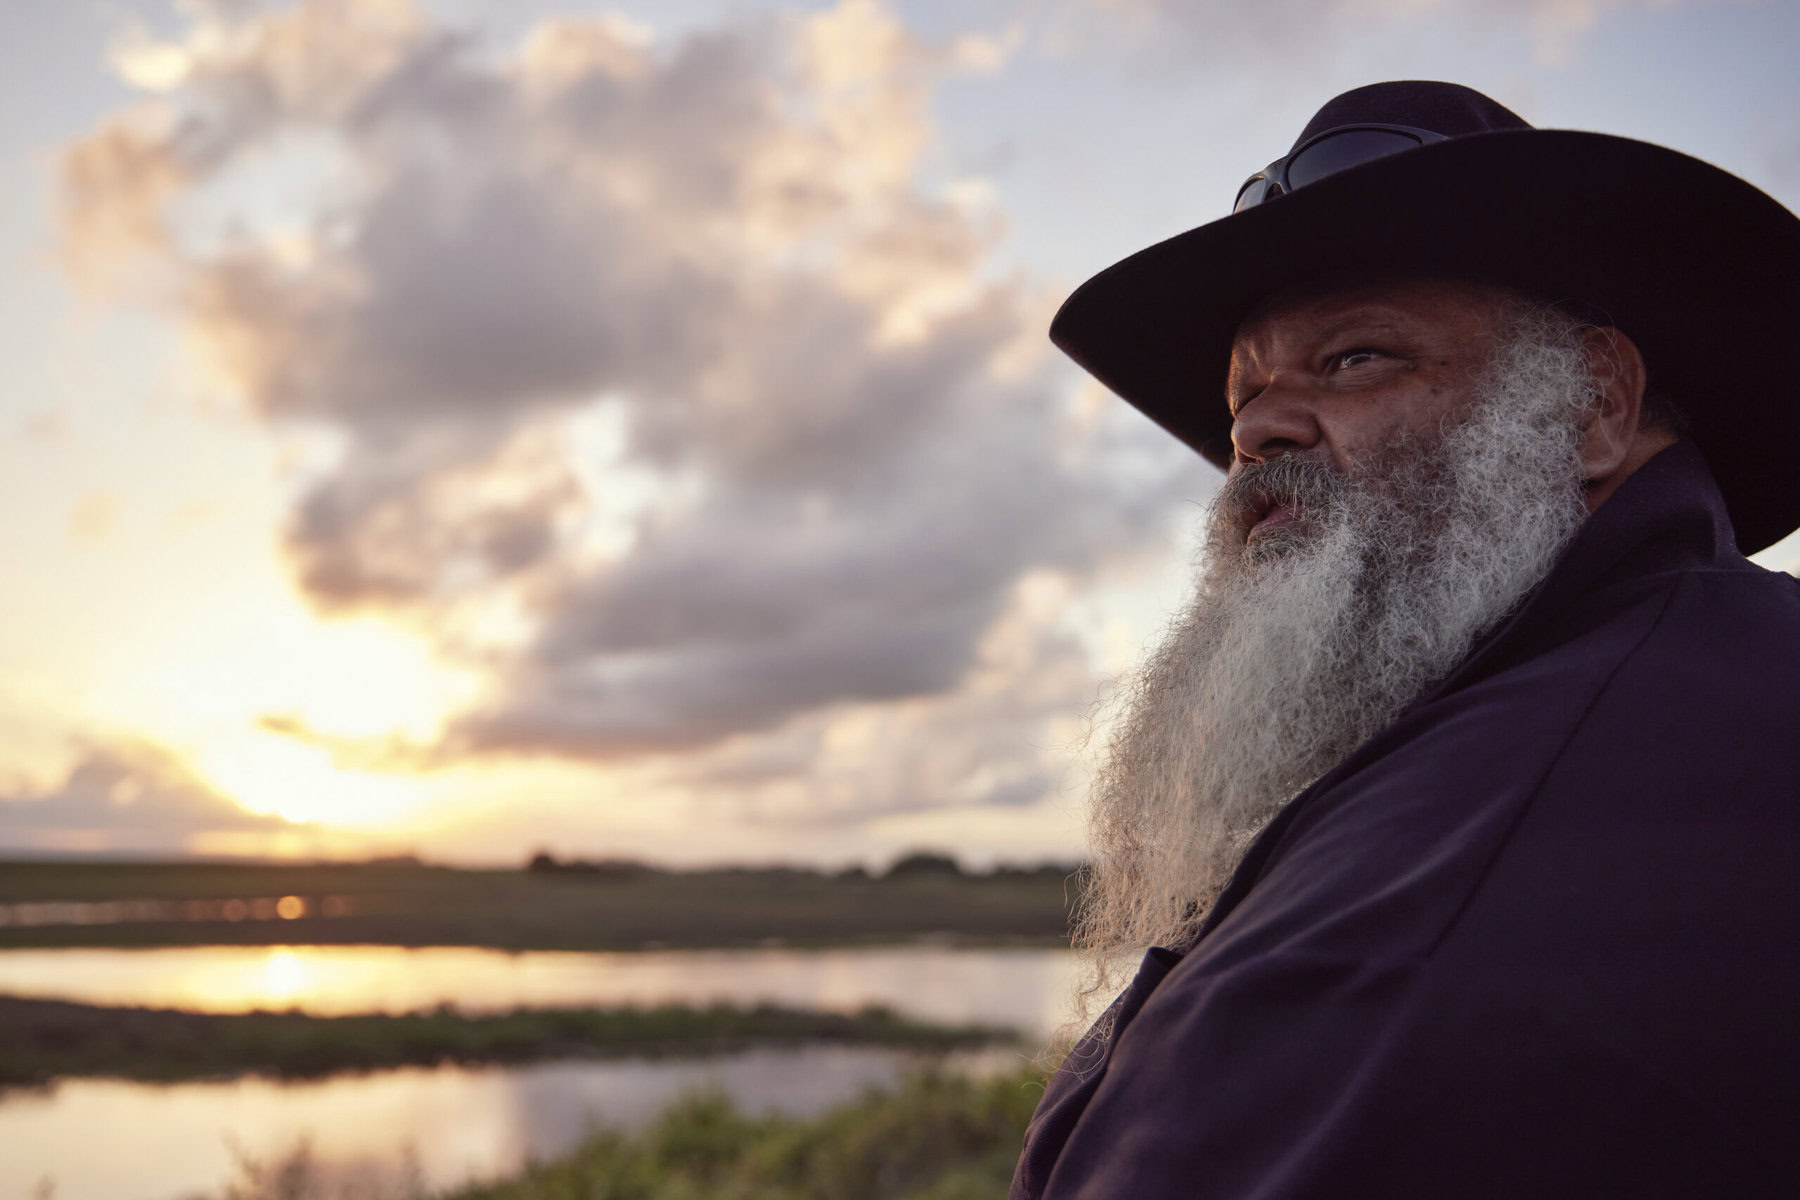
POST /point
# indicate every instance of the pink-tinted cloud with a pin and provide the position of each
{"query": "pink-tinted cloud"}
(836, 462)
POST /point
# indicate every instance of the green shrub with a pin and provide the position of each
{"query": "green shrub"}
(935, 1137)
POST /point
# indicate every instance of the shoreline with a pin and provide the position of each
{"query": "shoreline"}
(45, 1040)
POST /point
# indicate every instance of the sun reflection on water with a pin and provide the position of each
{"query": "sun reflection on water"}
(285, 974)
(1026, 988)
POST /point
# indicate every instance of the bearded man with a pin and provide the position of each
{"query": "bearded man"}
(1459, 808)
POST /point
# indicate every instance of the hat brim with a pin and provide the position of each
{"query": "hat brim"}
(1700, 268)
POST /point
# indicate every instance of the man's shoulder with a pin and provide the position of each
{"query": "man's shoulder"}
(1714, 656)
(1740, 609)
(1700, 637)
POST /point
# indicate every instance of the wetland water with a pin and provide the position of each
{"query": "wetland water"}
(112, 1140)
(1021, 987)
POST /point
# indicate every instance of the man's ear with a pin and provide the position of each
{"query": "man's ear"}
(1610, 432)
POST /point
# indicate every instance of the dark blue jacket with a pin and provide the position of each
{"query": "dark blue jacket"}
(1540, 937)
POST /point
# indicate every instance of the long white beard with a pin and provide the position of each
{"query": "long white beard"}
(1295, 651)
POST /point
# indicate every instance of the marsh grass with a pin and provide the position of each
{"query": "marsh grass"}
(43, 1039)
(936, 1136)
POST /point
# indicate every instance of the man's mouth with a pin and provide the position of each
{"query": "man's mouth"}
(1265, 513)
(1265, 499)
(1269, 518)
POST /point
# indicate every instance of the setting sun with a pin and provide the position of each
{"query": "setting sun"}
(270, 773)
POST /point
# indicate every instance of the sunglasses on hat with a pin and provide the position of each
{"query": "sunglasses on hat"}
(1327, 153)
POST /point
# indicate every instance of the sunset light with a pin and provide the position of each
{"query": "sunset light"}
(445, 429)
(266, 773)
(568, 628)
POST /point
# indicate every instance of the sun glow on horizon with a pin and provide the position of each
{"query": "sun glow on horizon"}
(212, 700)
(269, 773)
(361, 678)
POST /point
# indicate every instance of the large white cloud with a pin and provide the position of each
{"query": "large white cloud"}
(838, 449)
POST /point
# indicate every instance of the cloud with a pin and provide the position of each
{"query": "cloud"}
(122, 796)
(1004, 739)
(1292, 32)
(50, 425)
(94, 517)
(829, 450)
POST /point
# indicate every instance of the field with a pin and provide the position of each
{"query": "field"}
(547, 907)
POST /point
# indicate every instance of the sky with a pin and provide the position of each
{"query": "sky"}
(466, 428)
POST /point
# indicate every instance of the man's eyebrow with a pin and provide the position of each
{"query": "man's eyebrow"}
(1359, 322)
(1370, 323)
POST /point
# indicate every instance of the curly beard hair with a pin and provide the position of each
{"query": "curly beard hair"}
(1300, 646)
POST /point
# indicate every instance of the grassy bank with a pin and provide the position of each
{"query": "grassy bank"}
(43, 1039)
(606, 907)
(936, 1137)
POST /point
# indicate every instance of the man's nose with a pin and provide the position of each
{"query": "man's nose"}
(1280, 419)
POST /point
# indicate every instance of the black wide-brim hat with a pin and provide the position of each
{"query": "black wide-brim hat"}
(1700, 268)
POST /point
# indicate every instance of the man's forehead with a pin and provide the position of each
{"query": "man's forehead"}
(1320, 309)
(1321, 302)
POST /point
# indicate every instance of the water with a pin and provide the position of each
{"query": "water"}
(1018, 987)
(112, 1140)
(97, 1139)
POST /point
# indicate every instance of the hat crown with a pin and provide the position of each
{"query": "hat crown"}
(1446, 108)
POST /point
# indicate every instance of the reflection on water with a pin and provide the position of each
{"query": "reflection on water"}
(162, 1142)
(1024, 988)
(457, 1123)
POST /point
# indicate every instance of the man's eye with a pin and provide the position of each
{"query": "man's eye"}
(1351, 358)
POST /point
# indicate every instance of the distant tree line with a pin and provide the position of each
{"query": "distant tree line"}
(612, 868)
(917, 864)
